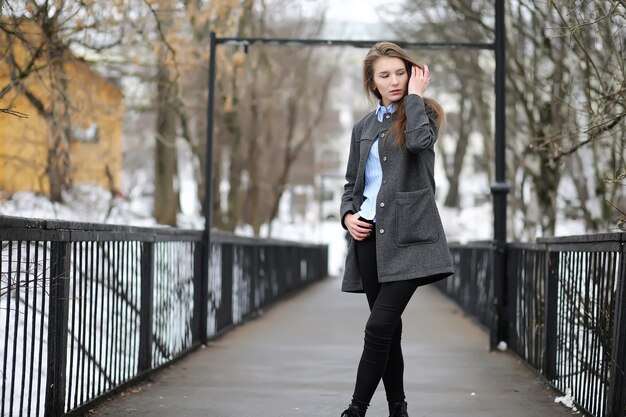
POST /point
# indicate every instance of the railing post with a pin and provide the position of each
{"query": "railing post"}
(147, 289)
(325, 261)
(224, 315)
(57, 328)
(515, 259)
(200, 303)
(499, 328)
(200, 296)
(551, 314)
(616, 401)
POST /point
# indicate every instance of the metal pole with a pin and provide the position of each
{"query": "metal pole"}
(208, 168)
(354, 43)
(146, 328)
(208, 200)
(616, 401)
(58, 311)
(500, 188)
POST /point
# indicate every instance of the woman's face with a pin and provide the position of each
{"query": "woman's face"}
(390, 78)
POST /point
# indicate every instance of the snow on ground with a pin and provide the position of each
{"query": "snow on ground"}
(92, 203)
(85, 203)
(95, 205)
(567, 400)
(468, 224)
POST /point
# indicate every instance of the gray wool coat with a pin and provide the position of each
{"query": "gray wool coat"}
(410, 240)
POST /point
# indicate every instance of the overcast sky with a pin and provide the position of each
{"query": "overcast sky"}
(351, 19)
(365, 11)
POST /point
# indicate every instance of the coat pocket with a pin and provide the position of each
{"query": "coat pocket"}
(416, 219)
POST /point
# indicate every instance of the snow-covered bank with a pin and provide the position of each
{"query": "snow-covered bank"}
(96, 205)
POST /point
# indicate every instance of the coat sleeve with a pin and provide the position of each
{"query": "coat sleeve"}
(347, 199)
(421, 124)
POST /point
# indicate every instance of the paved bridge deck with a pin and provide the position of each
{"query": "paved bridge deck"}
(300, 359)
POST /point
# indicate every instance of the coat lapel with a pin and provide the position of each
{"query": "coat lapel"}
(373, 127)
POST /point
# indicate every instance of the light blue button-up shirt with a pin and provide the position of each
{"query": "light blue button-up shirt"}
(374, 171)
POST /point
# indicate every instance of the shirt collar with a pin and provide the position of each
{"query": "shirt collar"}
(381, 110)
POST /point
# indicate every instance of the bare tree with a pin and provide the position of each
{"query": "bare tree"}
(35, 42)
(300, 132)
(565, 95)
(461, 74)
(290, 91)
(595, 32)
(184, 28)
(166, 195)
(267, 104)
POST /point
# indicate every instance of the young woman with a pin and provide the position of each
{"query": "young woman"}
(397, 242)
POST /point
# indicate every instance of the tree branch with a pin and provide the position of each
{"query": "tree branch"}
(161, 33)
(12, 112)
(601, 128)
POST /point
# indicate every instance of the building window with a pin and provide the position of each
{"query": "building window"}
(89, 134)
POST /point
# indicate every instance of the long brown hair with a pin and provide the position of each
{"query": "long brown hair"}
(389, 49)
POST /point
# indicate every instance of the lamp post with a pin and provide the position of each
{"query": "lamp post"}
(500, 188)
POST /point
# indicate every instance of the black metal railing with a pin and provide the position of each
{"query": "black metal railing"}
(527, 302)
(86, 309)
(566, 311)
(471, 286)
(585, 278)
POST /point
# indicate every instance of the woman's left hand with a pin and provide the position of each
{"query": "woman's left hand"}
(420, 78)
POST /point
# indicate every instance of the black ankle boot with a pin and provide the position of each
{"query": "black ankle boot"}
(353, 411)
(398, 410)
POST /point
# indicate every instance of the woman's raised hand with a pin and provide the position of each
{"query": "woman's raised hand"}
(420, 78)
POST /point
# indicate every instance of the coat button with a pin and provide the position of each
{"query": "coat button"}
(382, 135)
(382, 204)
(387, 117)
(384, 158)
(382, 231)
(384, 181)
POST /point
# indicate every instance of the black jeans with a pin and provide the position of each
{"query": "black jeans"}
(382, 353)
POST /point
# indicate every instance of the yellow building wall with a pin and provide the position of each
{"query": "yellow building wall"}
(23, 150)
(96, 101)
(24, 141)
